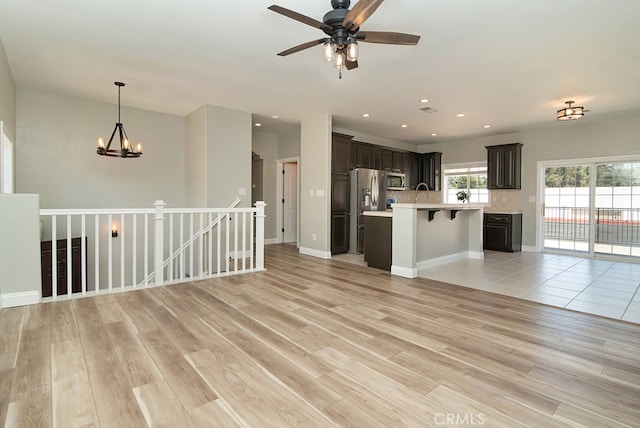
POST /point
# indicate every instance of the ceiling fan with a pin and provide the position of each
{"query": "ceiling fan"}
(343, 28)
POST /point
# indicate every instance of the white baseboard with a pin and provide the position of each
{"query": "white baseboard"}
(530, 249)
(437, 261)
(11, 300)
(404, 272)
(271, 241)
(315, 253)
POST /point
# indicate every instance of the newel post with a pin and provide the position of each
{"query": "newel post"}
(260, 235)
(159, 242)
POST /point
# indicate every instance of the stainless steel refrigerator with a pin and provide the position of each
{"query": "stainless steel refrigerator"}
(368, 193)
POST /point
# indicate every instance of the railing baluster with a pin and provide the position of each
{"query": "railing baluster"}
(110, 258)
(134, 252)
(96, 254)
(191, 246)
(146, 249)
(201, 247)
(227, 254)
(122, 239)
(171, 278)
(182, 246)
(69, 264)
(251, 241)
(218, 233)
(54, 257)
(83, 253)
(210, 246)
(235, 242)
(244, 240)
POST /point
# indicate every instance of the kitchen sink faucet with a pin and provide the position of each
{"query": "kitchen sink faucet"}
(418, 188)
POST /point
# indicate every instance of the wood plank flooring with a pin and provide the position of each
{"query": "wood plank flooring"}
(314, 342)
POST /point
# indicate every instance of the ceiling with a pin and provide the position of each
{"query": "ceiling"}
(509, 64)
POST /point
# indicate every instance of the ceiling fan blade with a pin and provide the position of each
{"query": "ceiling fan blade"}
(301, 47)
(360, 13)
(350, 65)
(299, 17)
(388, 37)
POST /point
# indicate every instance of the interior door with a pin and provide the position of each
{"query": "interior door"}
(290, 203)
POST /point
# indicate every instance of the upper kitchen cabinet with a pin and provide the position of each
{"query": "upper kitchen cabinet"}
(377, 157)
(340, 148)
(361, 155)
(430, 170)
(387, 159)
(504, 166)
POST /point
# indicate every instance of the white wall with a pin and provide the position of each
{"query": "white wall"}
(7, 95)
(315, 186)
(195, 155)
(591, 137)
(228, 156)
(265, 144)
(289, 144)
(56, 155)
(19, 250)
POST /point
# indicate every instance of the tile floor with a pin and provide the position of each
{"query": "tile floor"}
(601, 287)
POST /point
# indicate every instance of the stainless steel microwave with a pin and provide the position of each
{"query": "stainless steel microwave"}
(395, 181)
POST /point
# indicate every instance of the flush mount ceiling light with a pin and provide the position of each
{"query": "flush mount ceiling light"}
(125, 150)
(570, 112)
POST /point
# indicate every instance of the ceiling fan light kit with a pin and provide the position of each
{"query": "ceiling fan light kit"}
(126, 150)
(570, 112)
(342, 25)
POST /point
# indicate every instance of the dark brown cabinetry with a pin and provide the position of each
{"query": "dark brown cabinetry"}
(341, 151)
(62, 267)
(377, 157)
(377, 252)
(430, 170)
(387, 159)
(504, 166)
(361, 155)
(502, 232)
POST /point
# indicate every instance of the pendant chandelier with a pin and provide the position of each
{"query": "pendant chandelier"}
(125, 150)
(570, 112)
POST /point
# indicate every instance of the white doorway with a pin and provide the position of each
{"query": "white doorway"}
(6, 162)
(288, 207)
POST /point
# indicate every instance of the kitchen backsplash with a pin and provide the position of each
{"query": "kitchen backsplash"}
(501, 200)
(504, 201)
(409, 196)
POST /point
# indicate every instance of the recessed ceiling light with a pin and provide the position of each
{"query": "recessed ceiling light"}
(424, 100)
(275, 116)
(487, 126)
(366, 115)
(433, 134)
(257, 124)
(404, 125)
(460, 115)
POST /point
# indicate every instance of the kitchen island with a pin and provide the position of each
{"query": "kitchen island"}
(427, 235)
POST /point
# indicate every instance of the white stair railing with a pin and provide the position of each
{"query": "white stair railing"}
(81, 254)
(188, 244)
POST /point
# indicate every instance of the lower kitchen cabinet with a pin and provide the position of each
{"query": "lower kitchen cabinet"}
(502, 232)
(377, 242)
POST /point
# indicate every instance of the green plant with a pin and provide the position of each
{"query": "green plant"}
(463, 195)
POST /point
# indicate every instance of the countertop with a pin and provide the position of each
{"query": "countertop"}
(489, 211)
(440, 206)
(387, 213)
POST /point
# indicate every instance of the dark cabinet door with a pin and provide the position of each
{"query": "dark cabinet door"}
(502, 232)
(415, 170)
(430, 170)
(340, 147)
(377, 158)
(364, 156)
(497, 237)
(62, 267)
(339, 213)
(396, 161)
(504, 163)
(407, 168)
(387, 160)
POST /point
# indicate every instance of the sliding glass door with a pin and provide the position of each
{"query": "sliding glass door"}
(592, 208)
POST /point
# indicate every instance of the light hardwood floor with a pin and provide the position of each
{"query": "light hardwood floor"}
(316, 343)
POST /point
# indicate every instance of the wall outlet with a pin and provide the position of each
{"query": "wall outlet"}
(314, 237)
(320, 192)
(242, 191)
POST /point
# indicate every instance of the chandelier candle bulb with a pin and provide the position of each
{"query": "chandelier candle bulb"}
(138, 148)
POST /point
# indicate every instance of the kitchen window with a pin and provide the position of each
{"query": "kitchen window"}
(470, 178)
